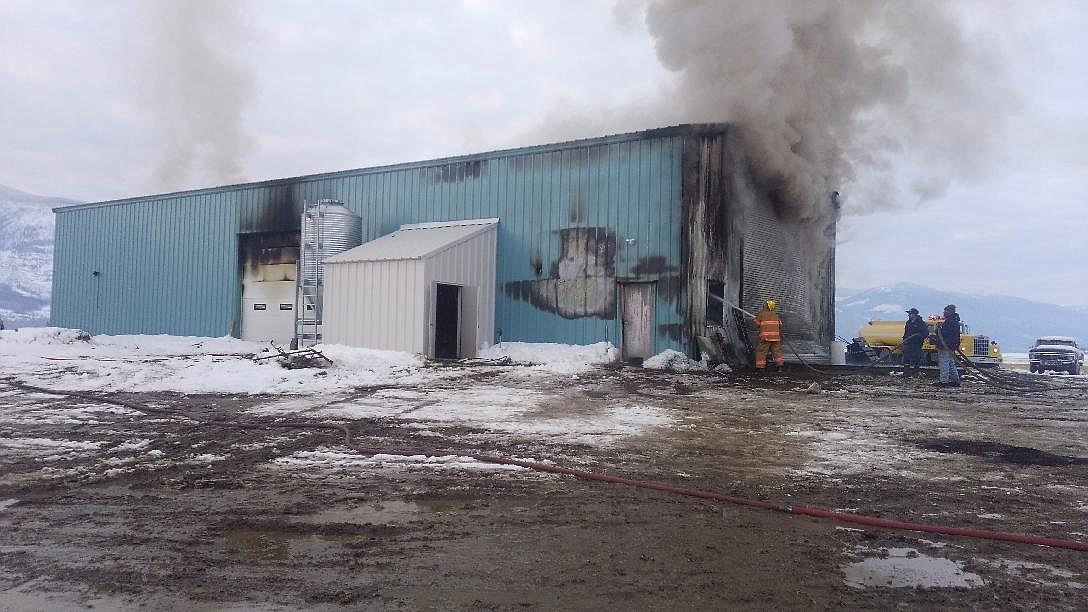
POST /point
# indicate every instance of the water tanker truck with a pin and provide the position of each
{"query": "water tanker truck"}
(884, 337)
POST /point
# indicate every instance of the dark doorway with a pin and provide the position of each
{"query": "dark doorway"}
(447, 314)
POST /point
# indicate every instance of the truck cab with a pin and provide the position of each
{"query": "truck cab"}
(1056, 353)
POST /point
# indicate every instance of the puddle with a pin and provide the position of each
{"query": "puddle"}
(113, 490)
(258, 544)
(1036, 573)
(377, 513)
(907, 568)
(41, 595)
(1021, 455)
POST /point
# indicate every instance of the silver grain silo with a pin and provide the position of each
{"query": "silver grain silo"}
(328, 228)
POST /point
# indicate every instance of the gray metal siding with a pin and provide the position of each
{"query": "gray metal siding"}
(376, 304)
(169, 263)
(470, 264)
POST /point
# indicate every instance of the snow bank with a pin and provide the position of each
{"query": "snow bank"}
(69, 359)
(673, 361)
(558, 358)
(42, 336)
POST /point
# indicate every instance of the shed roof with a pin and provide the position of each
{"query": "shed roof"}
(416, 241)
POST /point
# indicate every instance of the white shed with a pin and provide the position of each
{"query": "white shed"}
(427, 288)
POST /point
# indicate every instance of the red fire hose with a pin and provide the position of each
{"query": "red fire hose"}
(845, 517)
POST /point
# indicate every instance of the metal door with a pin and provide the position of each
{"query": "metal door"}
(469, 322)
(268, 311)
(637, 320)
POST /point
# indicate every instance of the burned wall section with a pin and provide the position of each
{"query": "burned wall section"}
(268, 256)
(713, 201)
(455, 172)
(581, 281)
(276, 208)
(792, 262)
(736, 244)
(268, 239)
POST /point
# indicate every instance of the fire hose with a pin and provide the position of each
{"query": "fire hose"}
(845, 517)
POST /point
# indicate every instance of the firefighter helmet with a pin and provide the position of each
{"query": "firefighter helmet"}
(770, 304)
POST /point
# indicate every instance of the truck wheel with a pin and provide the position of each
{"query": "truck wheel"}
(1074, 369)
(1033, 369)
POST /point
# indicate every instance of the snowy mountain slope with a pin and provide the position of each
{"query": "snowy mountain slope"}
(1013, 322)
(26, 256)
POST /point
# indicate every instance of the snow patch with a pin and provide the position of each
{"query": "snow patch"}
(47, 443)
(557, 358)
(494, 409)
(131, 445)
(340, 460)
(673, 361)
(888, 308)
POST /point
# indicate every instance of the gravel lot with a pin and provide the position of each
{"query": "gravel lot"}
(107, 507)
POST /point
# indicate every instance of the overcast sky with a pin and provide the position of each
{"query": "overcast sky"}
(107, 99)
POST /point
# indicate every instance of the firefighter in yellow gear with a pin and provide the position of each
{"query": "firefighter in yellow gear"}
(770, 336)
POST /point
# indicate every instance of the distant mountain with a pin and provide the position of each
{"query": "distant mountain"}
(1013, 322)
(844, 292)
(26, 256)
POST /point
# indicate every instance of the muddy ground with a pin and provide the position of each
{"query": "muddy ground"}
(161, 512)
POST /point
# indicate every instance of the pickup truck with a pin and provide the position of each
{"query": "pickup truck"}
(1058, 353)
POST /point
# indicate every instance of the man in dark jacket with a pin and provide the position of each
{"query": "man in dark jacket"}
(948, 342)
(915, 332)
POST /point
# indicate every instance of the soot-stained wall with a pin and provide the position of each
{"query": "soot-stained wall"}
(735, 236)
(577, 219)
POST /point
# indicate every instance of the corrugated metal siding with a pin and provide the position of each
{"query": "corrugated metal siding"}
(389, 304)
(786, 262)
(471, 264)
(376, 304)
(169, 268)
(177, 253)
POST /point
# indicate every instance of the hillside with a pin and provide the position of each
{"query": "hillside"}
(26, 256)
(1013, 322)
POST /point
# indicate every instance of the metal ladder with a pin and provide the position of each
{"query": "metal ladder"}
(307, 321)
(308, 300)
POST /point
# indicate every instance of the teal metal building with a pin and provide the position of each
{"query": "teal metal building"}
(671, 216)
